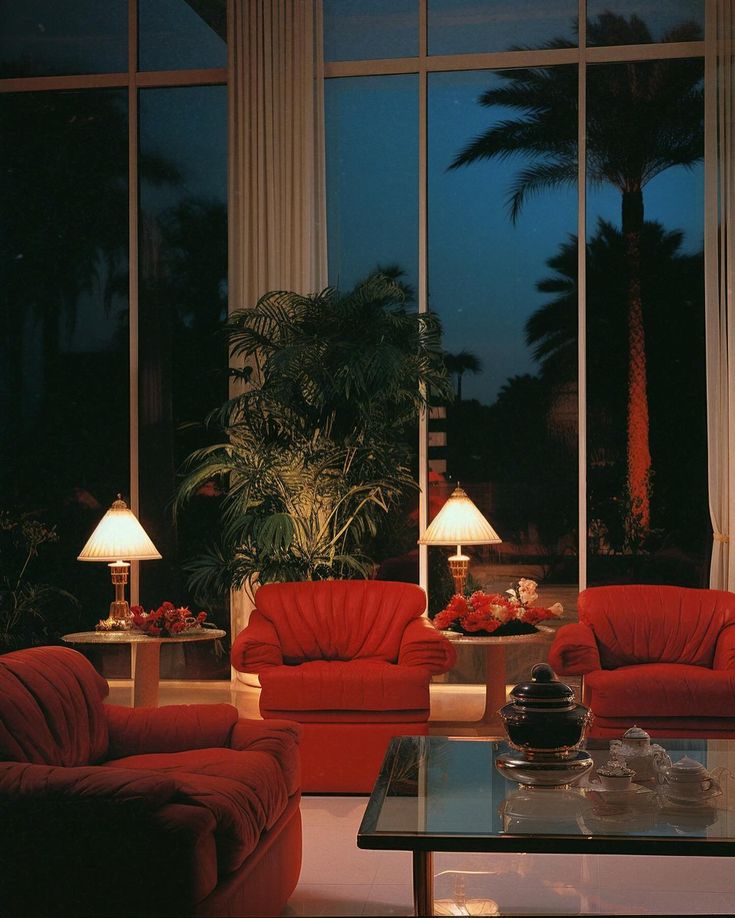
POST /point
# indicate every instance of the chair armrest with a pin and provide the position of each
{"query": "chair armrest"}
(72, 838)
(139, 787)
(574, 651)
(423, 645)
(172, 728)
(279, 738)
(257, 646)
(725, 649)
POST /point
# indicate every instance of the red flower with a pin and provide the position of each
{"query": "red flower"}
(443, 619)
(166, 620)
(489, 611)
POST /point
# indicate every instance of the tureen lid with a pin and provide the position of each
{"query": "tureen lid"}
(636, 733)
(544, 690)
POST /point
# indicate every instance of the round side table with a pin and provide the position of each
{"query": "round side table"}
(495, 647)
(146, 653)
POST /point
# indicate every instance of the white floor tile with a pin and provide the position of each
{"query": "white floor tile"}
(395, 868)
(321, 899)
(655, 901)
(331, 811)
(716, 874)
(390, 899)
(330, 858)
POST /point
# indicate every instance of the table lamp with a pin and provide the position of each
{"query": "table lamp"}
(459, 523)
(119, 536)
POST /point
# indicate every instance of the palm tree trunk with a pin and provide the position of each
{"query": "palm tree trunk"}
(459, 387)
(638, 450)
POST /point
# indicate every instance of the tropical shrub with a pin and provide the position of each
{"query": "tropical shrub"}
(316, 449)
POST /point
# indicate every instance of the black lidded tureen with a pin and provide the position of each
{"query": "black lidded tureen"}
(542, 720)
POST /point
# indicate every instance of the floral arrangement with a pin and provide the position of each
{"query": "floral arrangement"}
(494, 613)
(167, 620)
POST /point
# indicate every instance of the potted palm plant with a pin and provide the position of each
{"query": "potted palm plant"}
(316, 447)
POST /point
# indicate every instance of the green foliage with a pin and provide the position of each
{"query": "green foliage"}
(27, 610)
(642, 118)
(316, 451)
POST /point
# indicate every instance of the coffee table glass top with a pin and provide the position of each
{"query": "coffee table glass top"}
(442, 794)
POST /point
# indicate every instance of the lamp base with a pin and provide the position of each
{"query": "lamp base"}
(120, 610)
(120, 617)
(459, 565)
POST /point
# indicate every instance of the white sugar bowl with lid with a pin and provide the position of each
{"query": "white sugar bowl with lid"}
(638, 752)
(688, 781)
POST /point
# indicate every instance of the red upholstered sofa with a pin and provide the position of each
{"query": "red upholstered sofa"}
(106, 810)
(662, 657)
(352, 661)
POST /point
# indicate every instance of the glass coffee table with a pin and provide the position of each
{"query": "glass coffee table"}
(444, 794)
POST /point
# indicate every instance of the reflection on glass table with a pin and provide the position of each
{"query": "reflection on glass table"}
(445, 794)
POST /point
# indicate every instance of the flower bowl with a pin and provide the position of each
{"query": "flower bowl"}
(484, 614)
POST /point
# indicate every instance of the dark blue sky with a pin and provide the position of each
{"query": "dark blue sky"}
(483, 269)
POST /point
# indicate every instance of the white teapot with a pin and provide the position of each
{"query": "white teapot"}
(638, 752)
(688, 781)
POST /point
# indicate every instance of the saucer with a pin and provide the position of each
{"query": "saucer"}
(691, 801)
(633, 794)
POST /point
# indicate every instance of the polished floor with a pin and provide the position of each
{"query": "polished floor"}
(338, 879)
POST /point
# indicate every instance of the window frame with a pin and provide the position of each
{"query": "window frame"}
(581, 56)
(133, 80)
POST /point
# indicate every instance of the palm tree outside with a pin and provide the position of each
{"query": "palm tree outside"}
(643, 118)
(672, 288)
(461, 363)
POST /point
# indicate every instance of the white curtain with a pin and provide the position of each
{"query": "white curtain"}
(719, 305)
(276, 193)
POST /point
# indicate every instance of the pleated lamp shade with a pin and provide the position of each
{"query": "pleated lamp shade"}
(459, 522)
(119, 537)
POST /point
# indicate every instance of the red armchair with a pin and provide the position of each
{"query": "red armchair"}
(105, 810)
(662, 657)
(352, 661)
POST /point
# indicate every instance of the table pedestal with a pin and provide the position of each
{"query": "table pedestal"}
(495, 696)
(423, 883)
(145, 654)
(146, 672)
(490, 723)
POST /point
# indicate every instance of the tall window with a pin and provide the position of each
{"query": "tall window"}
(578, 423)
(107, 343)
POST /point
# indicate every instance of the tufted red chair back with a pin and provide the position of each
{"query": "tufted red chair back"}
(340, 619)
(655, 624)
(51, 709)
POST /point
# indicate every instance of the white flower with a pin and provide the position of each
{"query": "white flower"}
(557, 610)
(527, 591)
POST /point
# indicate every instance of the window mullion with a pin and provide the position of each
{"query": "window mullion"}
(423, 281)
(133, 274)
(582, 296)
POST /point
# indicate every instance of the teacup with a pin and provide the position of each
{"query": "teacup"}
(614, 782)
(688, 780)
